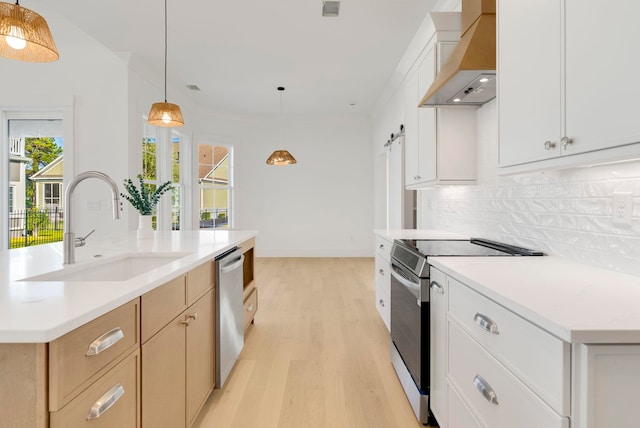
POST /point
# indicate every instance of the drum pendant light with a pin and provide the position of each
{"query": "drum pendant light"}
(281, 157)
(165, 114)
(25, 35)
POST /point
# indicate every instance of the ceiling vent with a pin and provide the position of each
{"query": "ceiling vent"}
(192, 87)
(330, 8)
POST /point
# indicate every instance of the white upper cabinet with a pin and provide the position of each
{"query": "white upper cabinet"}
(602, 65)
(529, 80)
(566, 83)
(440, 143)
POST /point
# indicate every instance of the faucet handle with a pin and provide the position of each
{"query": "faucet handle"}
(80, 242)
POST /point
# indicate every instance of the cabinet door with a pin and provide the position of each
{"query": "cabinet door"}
(607, 385)
(427, 150)
(602, 74)
(439, 291)
(112, 401)
(411, 171)
(200, 354)
(163, 377)
(530, 79)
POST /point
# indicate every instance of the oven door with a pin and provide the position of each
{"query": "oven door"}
(410, 323)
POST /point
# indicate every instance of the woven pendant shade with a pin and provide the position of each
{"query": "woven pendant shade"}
(25, 35)
(165, 114)
(281, 158)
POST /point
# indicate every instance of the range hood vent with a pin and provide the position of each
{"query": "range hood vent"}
(468, 78)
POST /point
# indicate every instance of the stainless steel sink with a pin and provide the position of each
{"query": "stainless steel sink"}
(118, 269)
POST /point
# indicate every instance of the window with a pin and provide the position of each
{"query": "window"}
(176, 193)
(214, 183)
(34, 145)
(52, 194)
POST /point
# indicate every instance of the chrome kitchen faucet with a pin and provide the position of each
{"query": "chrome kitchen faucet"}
(70, 241)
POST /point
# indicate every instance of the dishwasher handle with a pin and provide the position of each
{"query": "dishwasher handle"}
(232, 265)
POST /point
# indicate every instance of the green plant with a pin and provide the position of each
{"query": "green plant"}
(146, 198)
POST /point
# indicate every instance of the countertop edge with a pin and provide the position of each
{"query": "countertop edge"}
(44, 334)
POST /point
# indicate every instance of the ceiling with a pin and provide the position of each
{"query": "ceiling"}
(238, 52)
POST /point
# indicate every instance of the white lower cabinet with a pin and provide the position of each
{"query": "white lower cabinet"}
(502, 371)
(459, 414)
(439, 294)
(383, 279)
(607, 386)
(496, 396)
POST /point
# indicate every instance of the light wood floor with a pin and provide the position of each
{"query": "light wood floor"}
(317, 356)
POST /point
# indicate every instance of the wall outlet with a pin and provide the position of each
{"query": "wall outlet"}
(622, 207)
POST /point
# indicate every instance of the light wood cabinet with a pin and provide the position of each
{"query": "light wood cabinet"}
(440, 145)
(250, 306)
(571, 102)
(161, 305)
(83, 355)
(250, 292)
(23, 385)
(178, 360)
(111, 401)
(200, 345)
(163, 377)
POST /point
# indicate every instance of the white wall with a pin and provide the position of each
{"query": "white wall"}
(319, 207)
(88, 84)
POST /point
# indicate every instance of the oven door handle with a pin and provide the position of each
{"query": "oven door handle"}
(412, 286)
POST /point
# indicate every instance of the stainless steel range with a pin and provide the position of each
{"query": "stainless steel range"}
(410, 312)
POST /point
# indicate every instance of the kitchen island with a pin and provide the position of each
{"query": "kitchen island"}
(76, 341)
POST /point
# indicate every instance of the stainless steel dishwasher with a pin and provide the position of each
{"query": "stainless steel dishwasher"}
(229, 312)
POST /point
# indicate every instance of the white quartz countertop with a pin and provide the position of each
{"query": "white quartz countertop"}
(576, 302)
(41, 311)
(392, 234)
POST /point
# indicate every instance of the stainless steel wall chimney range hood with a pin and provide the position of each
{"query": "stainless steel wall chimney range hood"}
(468, 78)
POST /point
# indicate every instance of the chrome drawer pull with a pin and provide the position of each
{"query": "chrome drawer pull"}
(105, 402)
(437, 288)
(381, 271)
(485, 389)
(105, 342)
(381, 246)
(486, 323)
(250, 308)
(381, 303)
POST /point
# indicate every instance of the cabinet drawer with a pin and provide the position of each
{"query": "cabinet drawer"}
(250, 307)
(199, 281)
(383, 247)
(82, 355)
(161, 305)
(120, 387)
(383, 274)
(459, 415)
(537, 358)
(479, 377)
(383, 304)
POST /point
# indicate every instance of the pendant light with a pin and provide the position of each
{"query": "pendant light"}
(281, 157)
(165, 114)
(25, 35)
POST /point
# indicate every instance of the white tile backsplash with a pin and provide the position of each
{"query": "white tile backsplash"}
(567, 213)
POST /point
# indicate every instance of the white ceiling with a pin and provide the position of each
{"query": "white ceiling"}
(239, 51)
